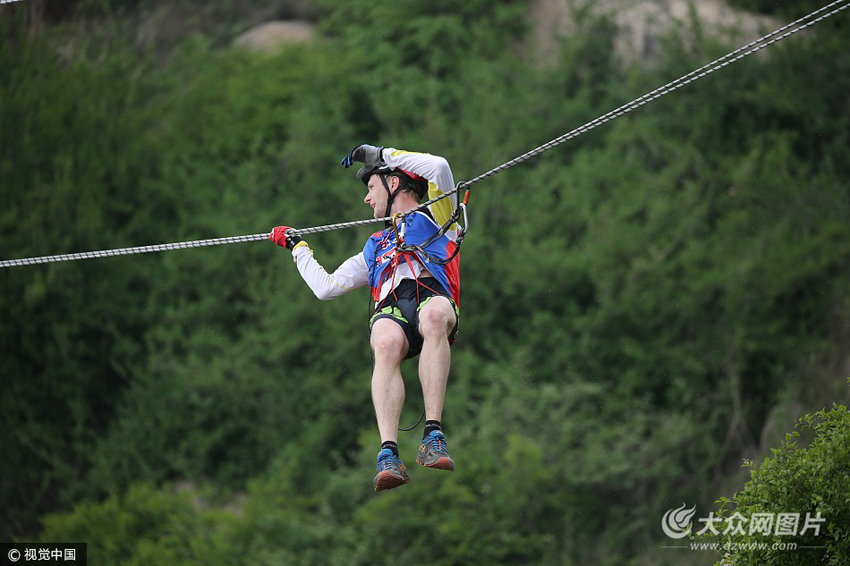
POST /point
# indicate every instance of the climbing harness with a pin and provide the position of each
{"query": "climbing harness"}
(403, 251)
(736, 55)
(462, 229)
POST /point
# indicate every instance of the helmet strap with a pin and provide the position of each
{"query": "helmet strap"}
(390, 196)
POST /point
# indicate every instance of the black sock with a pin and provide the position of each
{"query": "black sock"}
(390, 445)
(431, 425)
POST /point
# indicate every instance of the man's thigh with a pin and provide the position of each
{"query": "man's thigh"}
(388, 333)
(445, 308)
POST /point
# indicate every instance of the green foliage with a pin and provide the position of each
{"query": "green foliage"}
(118, 527)
(634, 302)
(66, 356)
(811, 480)
(790, 10)
(405, 53)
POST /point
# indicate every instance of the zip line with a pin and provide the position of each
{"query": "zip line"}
(736, 55)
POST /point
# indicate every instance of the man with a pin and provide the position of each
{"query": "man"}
(415, 289)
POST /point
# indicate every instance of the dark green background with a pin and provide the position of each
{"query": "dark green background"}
(640, 308)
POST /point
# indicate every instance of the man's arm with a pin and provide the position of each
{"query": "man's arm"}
(440, 179)
(433, 167)
(352, 274)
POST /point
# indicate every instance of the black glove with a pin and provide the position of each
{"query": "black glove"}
(362, 153)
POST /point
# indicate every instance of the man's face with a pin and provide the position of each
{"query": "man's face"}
(376, 195)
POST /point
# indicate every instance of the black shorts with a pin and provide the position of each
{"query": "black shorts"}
(403, 304)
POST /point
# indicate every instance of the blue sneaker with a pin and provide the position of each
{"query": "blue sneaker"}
(433, 452)
(391, 472)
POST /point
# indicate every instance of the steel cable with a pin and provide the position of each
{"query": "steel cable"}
(736, 55)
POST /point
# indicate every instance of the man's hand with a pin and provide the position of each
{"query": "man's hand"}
(279, 236)
(362, 153)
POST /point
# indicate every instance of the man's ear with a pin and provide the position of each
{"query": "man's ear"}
(393, 183)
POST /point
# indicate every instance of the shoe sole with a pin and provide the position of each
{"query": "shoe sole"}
(442, 463)
(386, 480)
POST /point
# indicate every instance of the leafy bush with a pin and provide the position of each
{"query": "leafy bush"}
(812, 480)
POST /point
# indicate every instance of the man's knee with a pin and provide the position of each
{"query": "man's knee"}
(388, 340)
(437, 318)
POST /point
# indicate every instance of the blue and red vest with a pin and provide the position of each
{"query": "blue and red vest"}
(383, 258)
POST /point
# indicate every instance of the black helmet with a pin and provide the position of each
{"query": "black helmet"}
(418, 182)
(370, 169)
(373, 164)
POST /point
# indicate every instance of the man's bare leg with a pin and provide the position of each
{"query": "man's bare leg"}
(436, 321)
(390, 346)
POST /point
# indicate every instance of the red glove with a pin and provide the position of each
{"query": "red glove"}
(278, 236)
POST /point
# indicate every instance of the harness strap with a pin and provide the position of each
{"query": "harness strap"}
(404, 250)
(461, 233)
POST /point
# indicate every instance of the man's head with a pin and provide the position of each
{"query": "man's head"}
(394, 183)
(388, 187)
(376, 174)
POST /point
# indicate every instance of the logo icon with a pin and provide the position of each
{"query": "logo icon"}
(676, 523)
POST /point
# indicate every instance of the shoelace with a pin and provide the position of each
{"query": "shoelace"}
(436, 443)
(386, 463)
